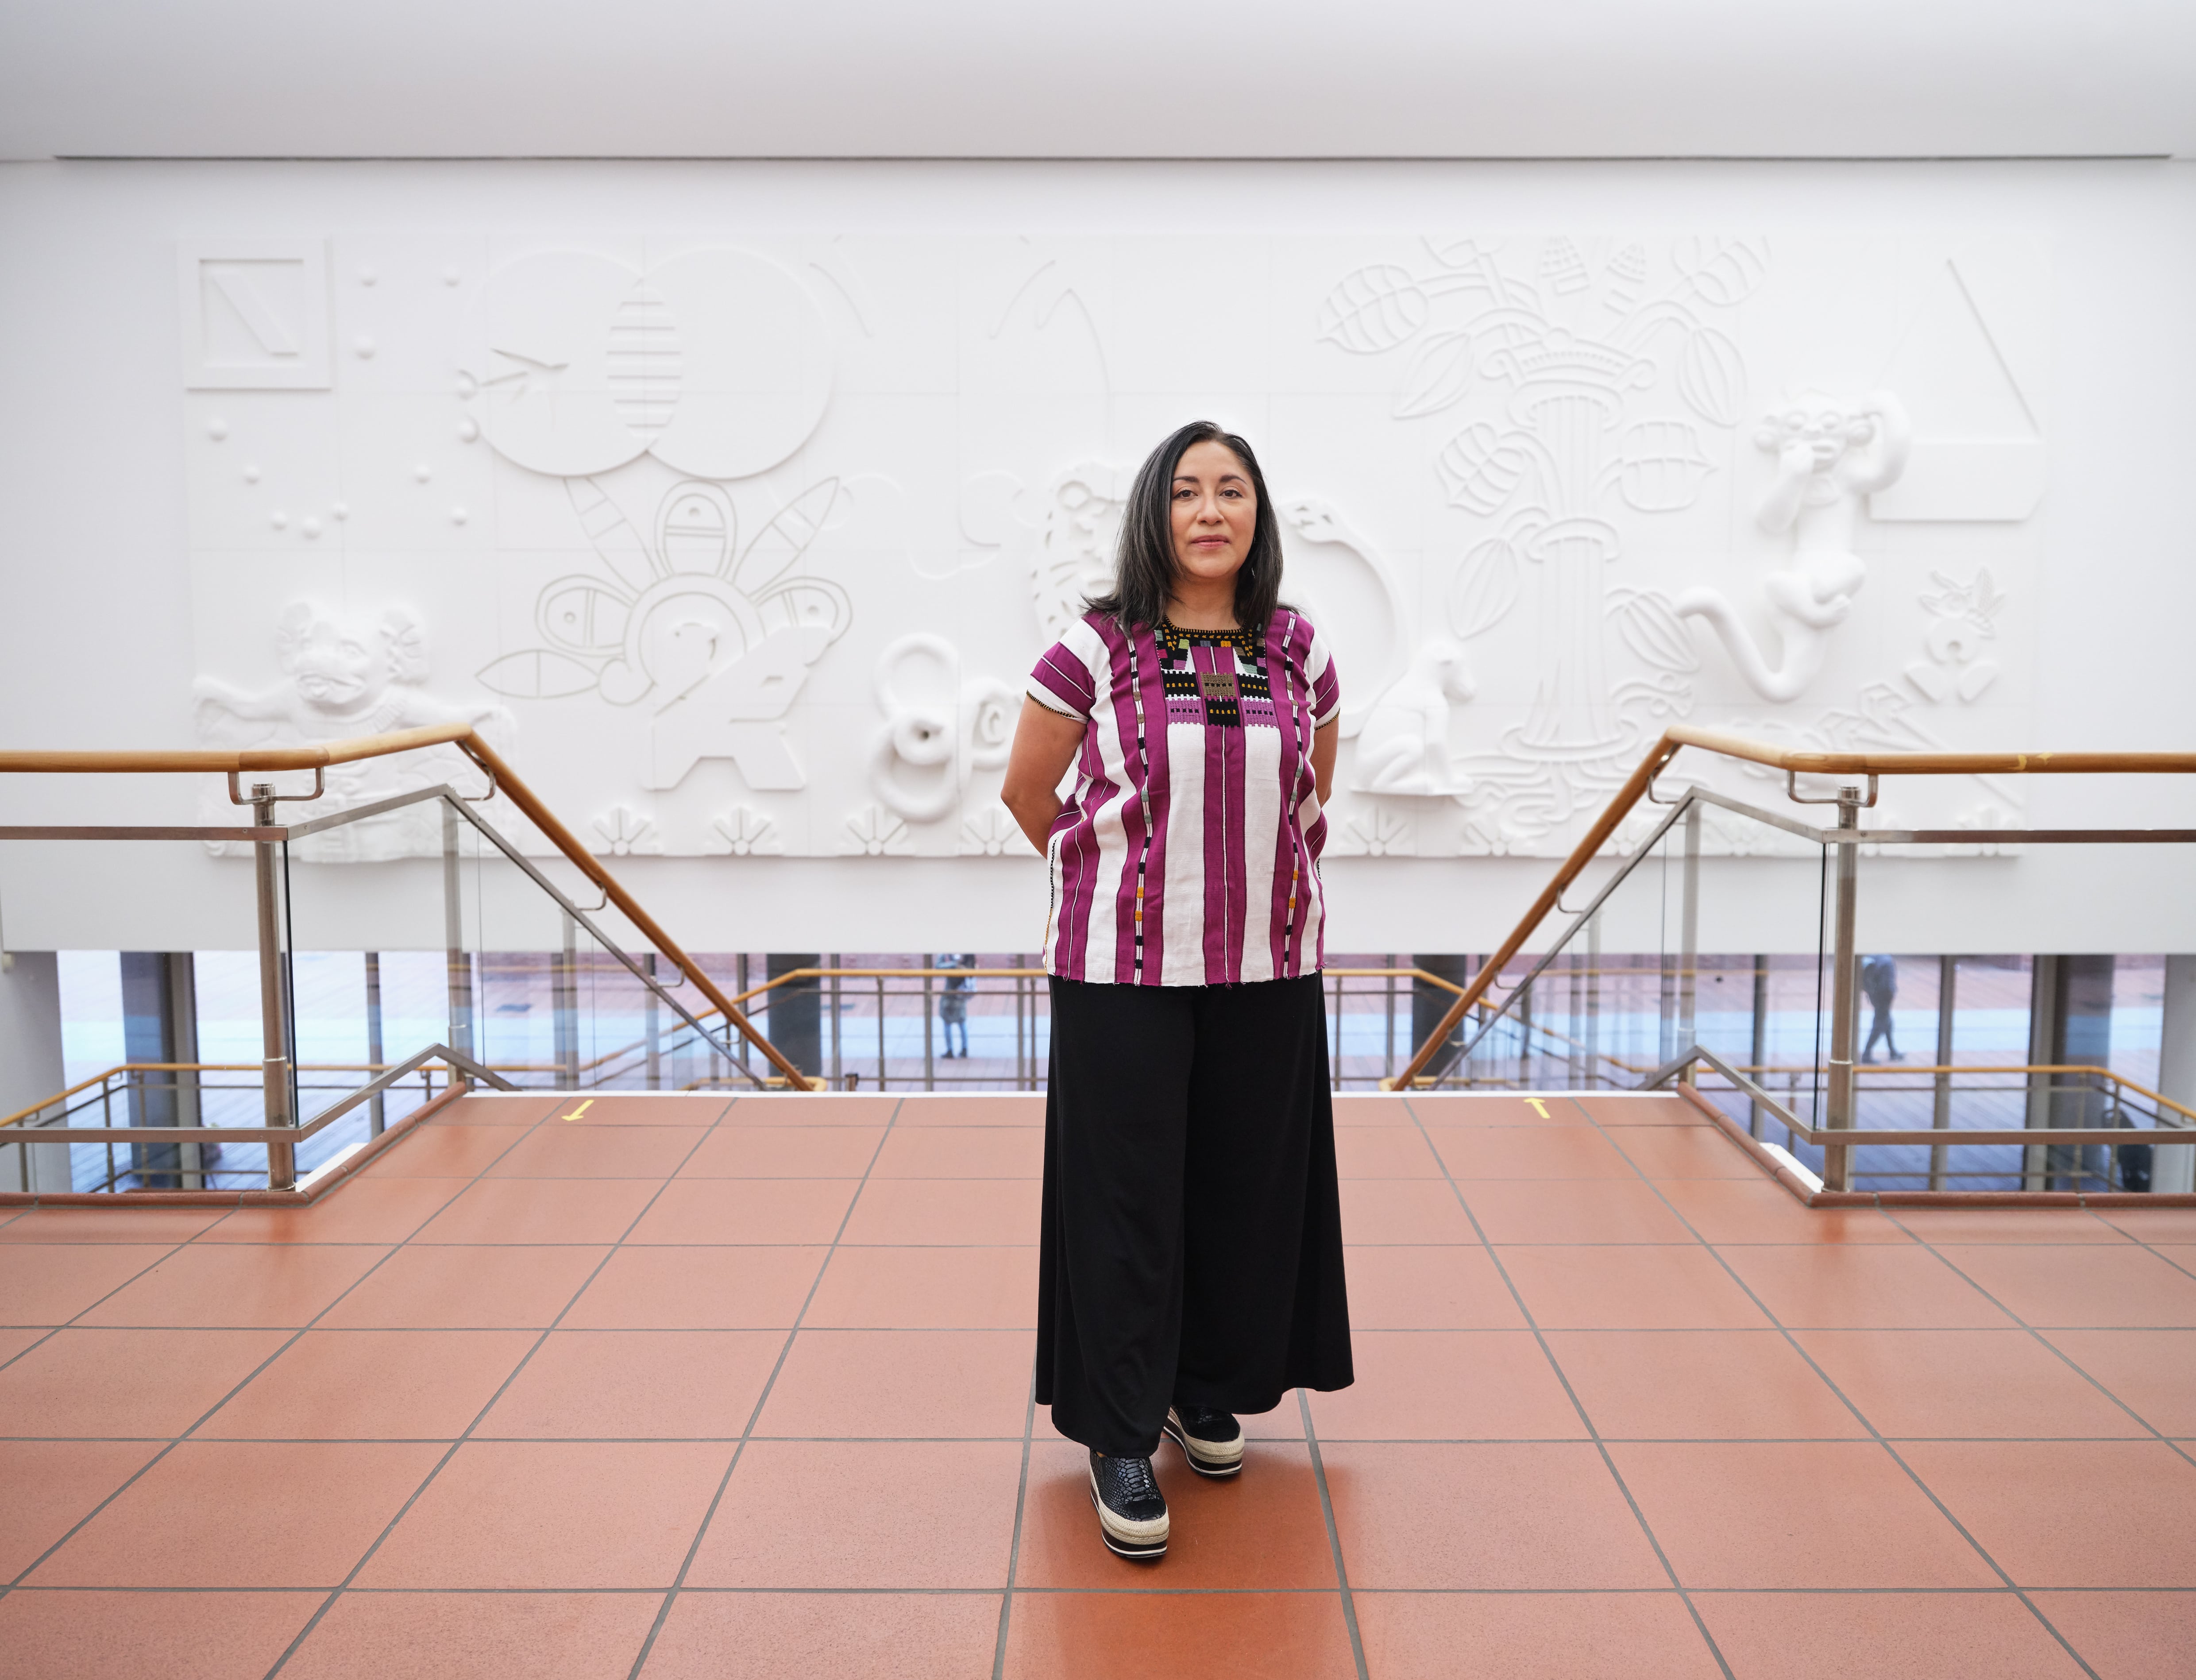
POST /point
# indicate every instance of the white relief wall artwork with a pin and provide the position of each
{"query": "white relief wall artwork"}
(344, 674)
(741, 544)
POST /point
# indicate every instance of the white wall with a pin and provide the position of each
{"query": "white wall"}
(1135, 79)
(129, 576)
(30, 1064)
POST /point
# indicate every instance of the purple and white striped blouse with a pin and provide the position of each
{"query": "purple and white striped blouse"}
(1188, 853)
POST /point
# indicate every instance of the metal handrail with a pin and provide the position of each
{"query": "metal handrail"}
(467, 741)
(1806, 1132)
(456, 1061)
(1795, 764)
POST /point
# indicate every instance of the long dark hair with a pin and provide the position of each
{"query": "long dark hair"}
(1144, 570)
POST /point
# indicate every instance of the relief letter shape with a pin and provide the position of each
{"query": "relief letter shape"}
(941, 728)
(1830, 455)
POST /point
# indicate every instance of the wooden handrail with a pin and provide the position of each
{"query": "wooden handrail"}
(249, 759)
(586, 861)
(467, 741)
(1596, 837)
(1926, 764)
(1678, 736)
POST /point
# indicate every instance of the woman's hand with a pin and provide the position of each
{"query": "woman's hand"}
(1045, 744)
(1325, 740)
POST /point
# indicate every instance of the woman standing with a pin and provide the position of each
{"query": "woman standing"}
(1191, 1265)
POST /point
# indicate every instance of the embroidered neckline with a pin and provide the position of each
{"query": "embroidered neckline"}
(1176, 639)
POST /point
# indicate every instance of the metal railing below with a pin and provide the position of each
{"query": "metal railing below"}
(193, 1157)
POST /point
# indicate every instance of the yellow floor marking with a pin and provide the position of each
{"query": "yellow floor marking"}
(578, 1111)
(1539, 1107)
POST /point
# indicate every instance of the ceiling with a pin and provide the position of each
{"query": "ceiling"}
(1225, 78)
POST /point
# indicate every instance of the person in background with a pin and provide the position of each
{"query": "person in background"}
(953, 999)
(1190, 1261)
(1879, 981)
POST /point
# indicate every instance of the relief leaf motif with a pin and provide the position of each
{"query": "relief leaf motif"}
(1439, 376)
(786, 538)
(1653, 629)
(1723, 272)
(1376, 308)
(1712, 376)
(536, 673)
(1483, 467)
(1484, 589)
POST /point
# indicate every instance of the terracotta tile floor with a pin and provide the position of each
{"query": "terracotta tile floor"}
(690, 1387)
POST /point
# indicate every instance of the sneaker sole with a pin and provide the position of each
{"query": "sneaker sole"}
(1142, 1549)
(1217, 1469)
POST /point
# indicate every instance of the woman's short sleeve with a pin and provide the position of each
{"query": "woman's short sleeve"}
(1061, 682)
(1325, 682)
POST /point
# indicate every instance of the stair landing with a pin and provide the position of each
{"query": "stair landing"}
(676, 1386)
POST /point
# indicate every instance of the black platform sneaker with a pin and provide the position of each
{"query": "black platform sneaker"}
(1132, 1513)
(1211, 1440)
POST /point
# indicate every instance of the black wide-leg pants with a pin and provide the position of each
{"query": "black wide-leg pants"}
(1192, 1241)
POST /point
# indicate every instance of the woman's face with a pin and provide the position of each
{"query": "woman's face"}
(1215, 513)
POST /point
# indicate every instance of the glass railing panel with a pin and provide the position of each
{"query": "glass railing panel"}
(1753, 957)
(110, 1049)
(1369, 1016)
(539, 979)
(365, 982)
(891, 1021)
(1955, 1043)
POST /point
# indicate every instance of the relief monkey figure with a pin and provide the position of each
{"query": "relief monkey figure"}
(1830, 455)
(344, 677)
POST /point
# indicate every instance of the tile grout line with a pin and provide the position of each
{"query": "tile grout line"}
(250, 1377)
(1859, 1417)
(1124, 1592)
(762, 1400)
(1609, 1462)
(2040, 1338)
(2141, 1242)
(70, 1323)
(1333, 1538)
(1015, 1550)
(335, 1593)
(1009, 1440)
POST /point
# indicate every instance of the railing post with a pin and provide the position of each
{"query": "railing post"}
(1837, 1163)
(1761, 1041)
(1388, 1056)
(929, 1071)
(1688, 940)
(838, 1077)
(564, 1004)
(1335, 1032)
(454, 930)
(1593, 996)
(654, 1028)
(274, 1016)
(377, 1117)
(1940, 1114)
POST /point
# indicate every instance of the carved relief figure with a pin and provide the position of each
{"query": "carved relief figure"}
(1403, 747)
(1338, 578)
(941, 730)
(716, 638)
(1962, 617)
(1830, 455)
(1598, 379)
(346, 675)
